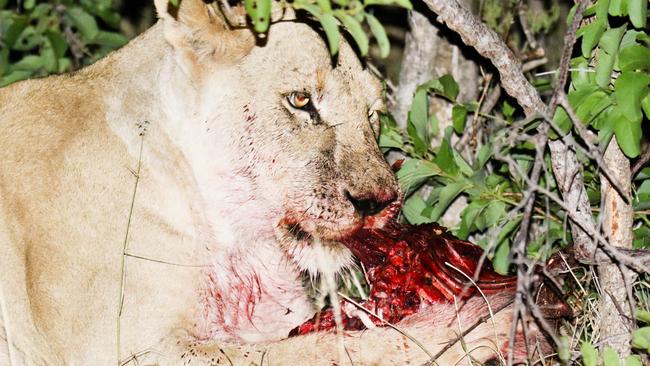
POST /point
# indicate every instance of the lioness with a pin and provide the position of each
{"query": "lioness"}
(159, 206)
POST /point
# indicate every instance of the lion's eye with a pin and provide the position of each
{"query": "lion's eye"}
(299, 100)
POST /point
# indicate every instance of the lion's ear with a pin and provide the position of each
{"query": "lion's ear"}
(200, 33)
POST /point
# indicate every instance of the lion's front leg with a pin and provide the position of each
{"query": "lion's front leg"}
(421, 337)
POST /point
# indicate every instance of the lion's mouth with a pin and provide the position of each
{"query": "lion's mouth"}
(296, 231)
(315, 248)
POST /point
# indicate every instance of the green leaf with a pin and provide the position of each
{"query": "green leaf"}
(576, 98)
(50, 61)
(447, 195)
(645, 105)
(354, 28)
(84, 22)
(591, 105)
(59, 44)
(414, 173)
(508, 110)
(469, 214)
(15, 76)
(643, 315)
(630, 88)
(445, 158)
(508, 228)
(389, 136)
(262, 17)
(591, 34)
(418, 115)
(494, 212)
(413, 210)
(641, 338)
(65, 65)
(589, 354)
(464, 167)
(611, 39)
(251, 8)
(174, 2)
(633, 360)
(331, 28)
(109, 39)
(571, 15)
(29, 4)
(105, 11)
(610, 357)
(433, 123)
(380, 35)
(562, 120)
(601, 9)
(618, 8)
(458, 116)
(17, 24)
(29, 39)
(643, 195)
(629, 39)
(406, 4)
(484, 154)
(501, 260)
(634, 58)
(420, 147)
(638, 10)
(608, 44)
(29, 63)
(325, 5)
(628, 133)
(450, 88)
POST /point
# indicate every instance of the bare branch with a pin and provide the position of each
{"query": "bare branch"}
(569, 42)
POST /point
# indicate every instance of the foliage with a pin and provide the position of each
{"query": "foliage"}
(610, 82)
(43, 37)
(349, 14)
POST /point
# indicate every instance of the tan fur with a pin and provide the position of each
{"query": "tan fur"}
(146, 196)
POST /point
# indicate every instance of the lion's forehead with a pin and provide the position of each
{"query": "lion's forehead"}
(295, 57)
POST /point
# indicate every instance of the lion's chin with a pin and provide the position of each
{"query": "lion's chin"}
(313, 254)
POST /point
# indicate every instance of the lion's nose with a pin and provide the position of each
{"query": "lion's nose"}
(370, 205)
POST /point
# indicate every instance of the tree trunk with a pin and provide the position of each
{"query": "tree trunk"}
(617, 219)
(429, 54)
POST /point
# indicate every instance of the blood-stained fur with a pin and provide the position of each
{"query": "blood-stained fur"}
(159, 206)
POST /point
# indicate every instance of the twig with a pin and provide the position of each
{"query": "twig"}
(523, 21)
(641, 161)
(126, 246)
(565, 60)
(160, 261)
(518, 249)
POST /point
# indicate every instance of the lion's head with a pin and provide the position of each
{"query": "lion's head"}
(300, 129)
